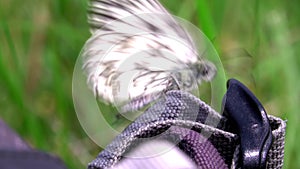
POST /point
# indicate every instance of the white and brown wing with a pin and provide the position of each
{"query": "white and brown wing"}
(135, 47)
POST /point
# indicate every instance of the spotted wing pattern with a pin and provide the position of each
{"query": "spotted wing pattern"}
(135, 47)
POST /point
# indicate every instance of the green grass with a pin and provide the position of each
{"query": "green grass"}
(258, 42)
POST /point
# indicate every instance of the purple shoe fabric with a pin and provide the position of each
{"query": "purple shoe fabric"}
(193, 151)
(176, 118)
(194, 128)
(199, 148)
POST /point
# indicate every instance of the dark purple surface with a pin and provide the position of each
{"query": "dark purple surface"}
(16, 154)
(9, 140)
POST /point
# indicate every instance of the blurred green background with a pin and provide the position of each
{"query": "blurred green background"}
(258, 42)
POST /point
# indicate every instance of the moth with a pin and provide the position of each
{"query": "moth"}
(137, 52)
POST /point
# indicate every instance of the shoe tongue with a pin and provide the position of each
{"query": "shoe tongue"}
(198, 148)
(156, 154)
(192, 150)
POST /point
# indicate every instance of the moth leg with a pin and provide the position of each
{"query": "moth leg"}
(140, 102)
(173, 84)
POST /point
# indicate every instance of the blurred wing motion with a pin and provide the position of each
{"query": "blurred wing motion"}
(137, 52)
